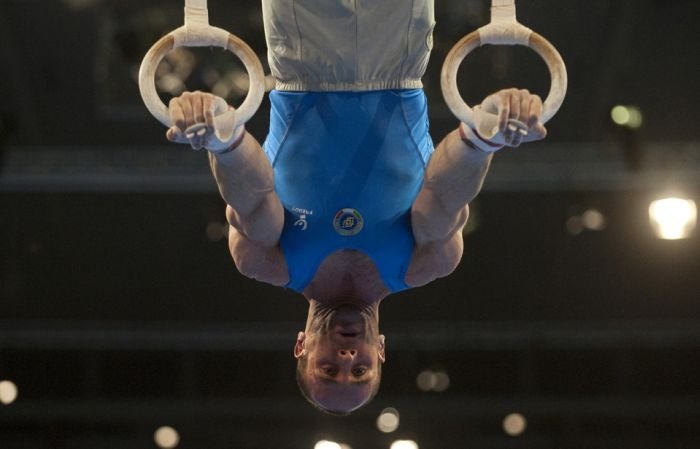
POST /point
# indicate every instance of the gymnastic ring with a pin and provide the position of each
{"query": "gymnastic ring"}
(147, 72)
(554, 61)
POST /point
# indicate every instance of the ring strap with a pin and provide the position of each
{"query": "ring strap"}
(196, 12)
(503, 11)
(504, 28)
(197, 32)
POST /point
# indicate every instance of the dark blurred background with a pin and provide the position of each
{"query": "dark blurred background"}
(569, 324)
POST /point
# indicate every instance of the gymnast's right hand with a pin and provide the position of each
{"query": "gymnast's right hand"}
(192, 115)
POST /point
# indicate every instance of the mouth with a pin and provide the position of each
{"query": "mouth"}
(347, 327)
(348, 334)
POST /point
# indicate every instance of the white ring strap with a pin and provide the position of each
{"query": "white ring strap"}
(197, 32)
(504, 28)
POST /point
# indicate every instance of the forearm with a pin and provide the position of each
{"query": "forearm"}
(246, 183)
(456, 172)
(244, 175)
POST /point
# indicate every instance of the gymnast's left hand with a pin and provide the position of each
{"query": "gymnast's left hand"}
(192, 115)
(519, 117)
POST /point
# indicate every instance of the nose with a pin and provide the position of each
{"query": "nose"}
(347, 353)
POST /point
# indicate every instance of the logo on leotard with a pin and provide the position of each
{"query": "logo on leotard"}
(302, 221)
(348, 222)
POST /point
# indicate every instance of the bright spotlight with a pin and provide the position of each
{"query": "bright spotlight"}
(514, 424)
(325, 444)
(629, 116)
(388, 420)
(404, 444)
(620, 115)
(8, 392)
(166, 437)
(673, 218)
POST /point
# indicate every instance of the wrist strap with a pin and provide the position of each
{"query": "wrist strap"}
(473, 139)
(236, 143)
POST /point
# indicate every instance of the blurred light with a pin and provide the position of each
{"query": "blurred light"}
(429, 380)
(211, 77)
(222, 88)
(183, 61)
(636, 118)
(574, 225)
(325, 444)
(166, 437)
(620, 115)
(593, 219)
(589, 220)
(171, 84)
(514, 424)
(174, 70)
(216, 231)
(442, 381)
(345, 446)
(673, 218)
(8, 392)
(388, 420)
(404, 444)
(426, 380)
(240, 80)
(629, 116)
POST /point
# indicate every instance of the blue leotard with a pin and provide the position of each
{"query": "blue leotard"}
(348, 167)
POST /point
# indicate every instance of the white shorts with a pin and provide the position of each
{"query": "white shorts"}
(348, 45)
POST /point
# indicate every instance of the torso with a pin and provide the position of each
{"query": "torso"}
(365, 169)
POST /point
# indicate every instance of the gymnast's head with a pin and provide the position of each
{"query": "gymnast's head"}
(339, 356)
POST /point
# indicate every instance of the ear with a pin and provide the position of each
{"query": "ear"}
(299, 349)
(382, 354)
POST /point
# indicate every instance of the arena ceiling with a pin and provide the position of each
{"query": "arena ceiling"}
(121, 311)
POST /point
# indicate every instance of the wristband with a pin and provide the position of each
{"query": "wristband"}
(235, 144)
(473, 139)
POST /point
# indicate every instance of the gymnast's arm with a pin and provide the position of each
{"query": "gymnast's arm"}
(245, 180)
(253, 210)
(454, 177)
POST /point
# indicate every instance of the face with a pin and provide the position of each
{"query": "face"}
(343, 350)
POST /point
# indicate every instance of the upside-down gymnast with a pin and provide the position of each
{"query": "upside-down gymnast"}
(347, 201)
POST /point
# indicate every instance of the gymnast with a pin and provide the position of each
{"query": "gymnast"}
(347, 201)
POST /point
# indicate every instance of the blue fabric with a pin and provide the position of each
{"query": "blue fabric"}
(364, 151)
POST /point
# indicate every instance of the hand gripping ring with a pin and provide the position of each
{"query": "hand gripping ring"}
(469, 43)
(179, 38)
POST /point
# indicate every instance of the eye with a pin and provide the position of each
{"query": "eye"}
(329, 371)
(359, 371)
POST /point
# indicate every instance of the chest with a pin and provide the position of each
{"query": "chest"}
(349, 270)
